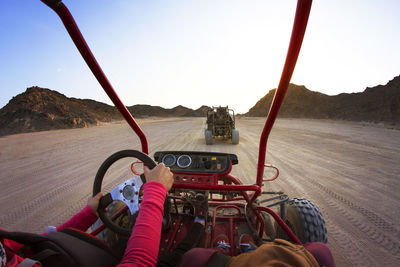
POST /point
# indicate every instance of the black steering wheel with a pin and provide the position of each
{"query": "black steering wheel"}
(127, 192)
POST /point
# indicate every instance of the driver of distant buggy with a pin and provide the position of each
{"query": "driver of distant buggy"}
(143, 244)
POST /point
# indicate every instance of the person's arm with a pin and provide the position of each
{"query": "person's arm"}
(81, 220)
(143, 245)
(85, 217)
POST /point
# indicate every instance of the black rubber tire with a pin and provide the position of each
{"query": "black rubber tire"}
(305, 220)
(235, 136)
(209, 137)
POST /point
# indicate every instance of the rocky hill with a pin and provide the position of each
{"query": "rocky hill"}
(39, 109)
(140, 111)
(200, 112)
(377, 104)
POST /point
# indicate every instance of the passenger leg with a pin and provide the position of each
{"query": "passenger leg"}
(192, 240)
(321, 253)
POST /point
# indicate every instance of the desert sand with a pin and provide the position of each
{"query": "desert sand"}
(351, 171)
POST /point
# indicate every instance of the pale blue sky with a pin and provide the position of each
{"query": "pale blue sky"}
(195, 53)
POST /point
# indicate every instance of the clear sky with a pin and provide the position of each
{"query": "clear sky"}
(193, 53)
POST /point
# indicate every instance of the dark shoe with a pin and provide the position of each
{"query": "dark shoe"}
(246, 243)
(222, 241)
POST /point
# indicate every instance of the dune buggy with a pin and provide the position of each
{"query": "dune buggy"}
(203, 184)
(221, 123)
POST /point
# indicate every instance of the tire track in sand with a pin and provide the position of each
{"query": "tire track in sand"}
(380, 232)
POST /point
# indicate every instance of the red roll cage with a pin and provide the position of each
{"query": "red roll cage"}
(298, 31)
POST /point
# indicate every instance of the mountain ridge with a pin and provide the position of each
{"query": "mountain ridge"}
(380, 103)
(39, 109)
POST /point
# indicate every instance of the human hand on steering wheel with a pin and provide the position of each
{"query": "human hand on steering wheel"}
(93, 202)
(128, 191)
(160, 174)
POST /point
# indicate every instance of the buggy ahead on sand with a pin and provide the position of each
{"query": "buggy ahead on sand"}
(221, 123)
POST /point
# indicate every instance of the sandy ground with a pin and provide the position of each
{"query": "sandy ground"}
(350, 170)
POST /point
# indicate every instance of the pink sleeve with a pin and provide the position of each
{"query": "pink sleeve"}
(143, 245)
(81, 220)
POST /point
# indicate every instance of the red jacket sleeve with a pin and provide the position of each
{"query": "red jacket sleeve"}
(143, 245)
(81, 220)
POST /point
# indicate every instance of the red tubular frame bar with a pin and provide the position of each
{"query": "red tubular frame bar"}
(299, 29)
(230, 219)
(80, 43)
(173, 234)
(281, 223)
(273, 177)
(242, 188)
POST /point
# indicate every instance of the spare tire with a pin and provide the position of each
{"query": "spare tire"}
(235, 136)
(305, 220)
(209, 137)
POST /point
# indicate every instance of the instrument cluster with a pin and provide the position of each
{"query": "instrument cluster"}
(198, 162)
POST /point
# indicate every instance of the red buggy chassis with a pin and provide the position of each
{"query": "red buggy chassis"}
(203, 185)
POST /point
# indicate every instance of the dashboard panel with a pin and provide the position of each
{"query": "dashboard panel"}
(196, 162)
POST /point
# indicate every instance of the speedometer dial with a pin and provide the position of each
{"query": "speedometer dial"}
(169, 160)
(184, 161)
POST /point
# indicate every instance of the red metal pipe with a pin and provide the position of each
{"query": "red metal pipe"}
(215, 204)
(273, 177)
(231, 236)
(241, 188)
(173, 235)
(80, 43)
(232, 178)
(300, 23)
(230, 223)
(261, 221)
(221, 187)
(227, 200)
(227, 207)
(281, 223)
(299, 28)
(237, 181)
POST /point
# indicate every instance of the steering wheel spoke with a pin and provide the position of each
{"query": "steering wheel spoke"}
(128, 192)
(105, 201)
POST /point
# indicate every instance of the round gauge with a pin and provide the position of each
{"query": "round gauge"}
(184, 161)
(169, 160)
